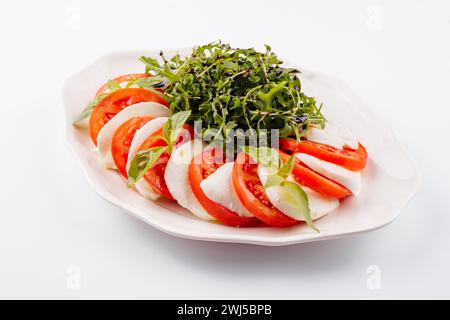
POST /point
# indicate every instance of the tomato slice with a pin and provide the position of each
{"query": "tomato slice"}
(253, 196)
(112, 104)
(201, 167)
(122, 79)
(352, 159)
(310, 178)
(288, 144)
(155, 176)
(121, 141)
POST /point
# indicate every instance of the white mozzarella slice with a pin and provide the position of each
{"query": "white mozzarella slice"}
(319, 205)
(219, 188)
(177, 178)
(348, 178)
(105, 135)
(334, 135)
(140, 136)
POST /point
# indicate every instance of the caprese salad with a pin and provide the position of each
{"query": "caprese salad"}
(229, 135)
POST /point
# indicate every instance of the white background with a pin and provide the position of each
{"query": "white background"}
(395, 55)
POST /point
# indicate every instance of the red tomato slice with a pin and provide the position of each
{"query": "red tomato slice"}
(114, 103)
(155, 176)
(348, 158)
(121, 141)
(288, 144)
(122, 79)
(253, 196)
(310, 178)
(201, 167)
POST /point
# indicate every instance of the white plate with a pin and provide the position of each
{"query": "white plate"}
(389, 181)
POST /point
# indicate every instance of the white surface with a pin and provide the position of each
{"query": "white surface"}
(390, 175)
(394, 55)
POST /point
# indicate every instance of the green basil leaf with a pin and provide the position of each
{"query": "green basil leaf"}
(273, 180)
(172, 127)
(296, 196)
(113, 85)
(142, 162)
(166, 130)
(287, 167)
(88, 109)
(265, 156)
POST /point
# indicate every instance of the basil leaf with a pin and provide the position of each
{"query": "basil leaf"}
(113, 85)
(278, 178)
(273, 180)
(166, 130)
(142, 162)
(287, 167)
(296, 196)
(88, 109)
(172, 127)
(265, 156)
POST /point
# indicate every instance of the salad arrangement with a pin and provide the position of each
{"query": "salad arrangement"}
(229, 135)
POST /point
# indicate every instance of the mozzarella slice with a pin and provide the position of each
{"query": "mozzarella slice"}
(177, 178)
(319, 205)
(105, 135)
(142, 186)
(219, 188)
(334, 135)
(348, 178)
